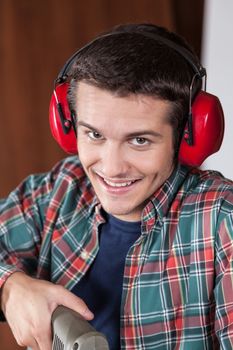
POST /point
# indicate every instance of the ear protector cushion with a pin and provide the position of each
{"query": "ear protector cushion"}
(207, 125)
(208, 130)
(61, 121)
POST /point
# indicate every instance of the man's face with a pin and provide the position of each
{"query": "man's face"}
(125, 146)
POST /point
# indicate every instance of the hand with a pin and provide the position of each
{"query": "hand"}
(28, 305)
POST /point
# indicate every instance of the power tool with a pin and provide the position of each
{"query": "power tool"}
(72, 332)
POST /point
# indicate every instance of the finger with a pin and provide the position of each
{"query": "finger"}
(23, 339)
(45, 343)
(33, 345)
(73, 302)
(43, 336)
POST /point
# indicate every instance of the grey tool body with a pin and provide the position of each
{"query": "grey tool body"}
(72, 332)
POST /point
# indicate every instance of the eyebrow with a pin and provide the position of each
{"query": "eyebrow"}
(131, 134)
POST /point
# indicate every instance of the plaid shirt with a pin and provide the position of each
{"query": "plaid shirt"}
(178, 278)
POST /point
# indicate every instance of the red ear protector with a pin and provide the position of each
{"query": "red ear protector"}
(61, 120)
(204, 130)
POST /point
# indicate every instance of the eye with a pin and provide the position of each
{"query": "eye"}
(94, 135)
(140, 141)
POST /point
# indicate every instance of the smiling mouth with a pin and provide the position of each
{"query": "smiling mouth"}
(117, 184)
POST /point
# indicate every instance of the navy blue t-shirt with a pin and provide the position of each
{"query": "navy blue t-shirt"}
(101, 287)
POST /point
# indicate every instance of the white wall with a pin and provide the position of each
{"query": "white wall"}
(217, 58)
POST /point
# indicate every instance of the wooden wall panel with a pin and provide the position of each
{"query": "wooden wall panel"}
(36, 38)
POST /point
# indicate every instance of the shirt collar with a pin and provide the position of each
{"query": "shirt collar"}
(164, 196)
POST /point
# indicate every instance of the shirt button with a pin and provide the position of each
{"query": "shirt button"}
(84, 254)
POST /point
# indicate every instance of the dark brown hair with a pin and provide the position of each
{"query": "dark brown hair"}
(129, 62)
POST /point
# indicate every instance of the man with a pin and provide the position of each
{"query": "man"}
(124, 234)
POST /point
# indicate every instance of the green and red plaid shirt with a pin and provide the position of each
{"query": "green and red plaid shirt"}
(178, 278)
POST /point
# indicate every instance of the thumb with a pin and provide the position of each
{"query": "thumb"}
(68, 299)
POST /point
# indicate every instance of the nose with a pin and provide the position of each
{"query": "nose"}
(114, 163)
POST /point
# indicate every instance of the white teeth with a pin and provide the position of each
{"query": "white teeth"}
(120, 184)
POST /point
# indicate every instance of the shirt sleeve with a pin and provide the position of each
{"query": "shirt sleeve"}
(21, 226)
(224, 283)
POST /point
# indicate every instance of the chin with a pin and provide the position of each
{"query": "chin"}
(123, 213)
